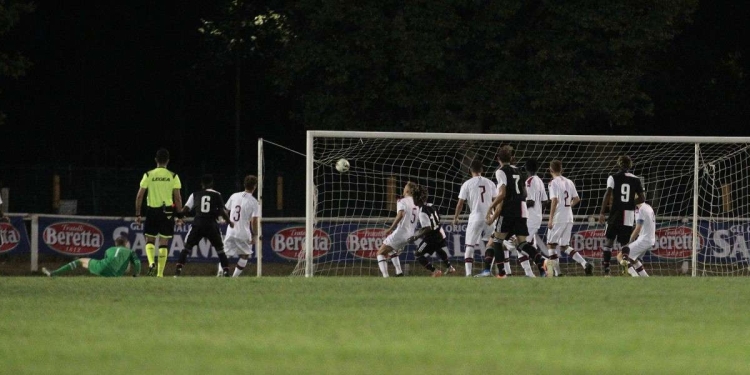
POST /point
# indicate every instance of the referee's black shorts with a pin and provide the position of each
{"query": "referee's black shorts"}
(200, 230)
(159, 222)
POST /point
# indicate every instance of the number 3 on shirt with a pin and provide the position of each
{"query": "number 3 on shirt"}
(237, 210)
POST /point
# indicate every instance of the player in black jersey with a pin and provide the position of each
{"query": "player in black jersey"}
(509, 215)
(625, 191)
(207, 205)
(432, 234)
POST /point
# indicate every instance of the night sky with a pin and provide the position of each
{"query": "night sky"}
(110, 84)
(114, 81)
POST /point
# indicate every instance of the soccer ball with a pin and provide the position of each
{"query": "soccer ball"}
(342, 165)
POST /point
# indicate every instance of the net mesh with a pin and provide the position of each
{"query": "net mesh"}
(354, 208)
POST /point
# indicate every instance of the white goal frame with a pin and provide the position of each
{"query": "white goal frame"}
(312, 134)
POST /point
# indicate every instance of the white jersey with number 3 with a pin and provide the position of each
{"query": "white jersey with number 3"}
(478, 192)
(564, 190)
(242, 207)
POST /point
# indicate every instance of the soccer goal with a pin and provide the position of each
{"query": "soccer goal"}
(699, 189)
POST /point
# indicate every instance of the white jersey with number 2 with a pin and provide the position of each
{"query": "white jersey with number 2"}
(564, 190)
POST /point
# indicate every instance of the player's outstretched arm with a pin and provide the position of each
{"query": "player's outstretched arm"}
(138, 203)
(225, 216)
(177, 198)
(605, 200)
(575, 201)
(135, 263)
(636, 231)
(552, 210)
(420, 233)
(459, 209)
(399, 217)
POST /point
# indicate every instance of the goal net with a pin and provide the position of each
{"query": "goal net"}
(697, 186)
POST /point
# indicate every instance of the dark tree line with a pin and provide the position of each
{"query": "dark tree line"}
(512, 66)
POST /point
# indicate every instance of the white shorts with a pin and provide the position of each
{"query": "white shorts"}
(488, 231)
(474, 232)
(560, 234)
(639, 247)
(235, 246)
(396, 241)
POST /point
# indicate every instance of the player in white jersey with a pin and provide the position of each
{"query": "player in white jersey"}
(478, 192)
(564, 197)
(243, 212)
(642, 239)
(407, 215)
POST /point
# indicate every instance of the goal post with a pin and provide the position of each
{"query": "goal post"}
(697, 185)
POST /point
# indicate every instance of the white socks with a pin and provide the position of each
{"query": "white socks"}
(396, 263)
(527, 268)
(383, 265)
(469, 255)
(240, 266)
(577, 257)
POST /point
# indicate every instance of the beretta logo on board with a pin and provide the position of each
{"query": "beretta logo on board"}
(364, 243)
(10, 237)
(289, 242)
(73, 238)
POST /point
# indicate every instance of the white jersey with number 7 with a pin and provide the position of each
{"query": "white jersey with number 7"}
(564, 190)
(478, 192)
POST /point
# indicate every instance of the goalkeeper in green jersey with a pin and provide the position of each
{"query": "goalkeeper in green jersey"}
(115, 262)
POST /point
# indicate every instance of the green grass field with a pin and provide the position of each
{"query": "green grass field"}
(414, 325)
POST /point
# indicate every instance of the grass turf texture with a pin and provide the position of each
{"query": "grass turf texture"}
(82, 325)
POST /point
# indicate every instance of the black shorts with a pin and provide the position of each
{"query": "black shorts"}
(512, 226)
(199, 231)
(618, 232)
(430, 247)
(159, 222)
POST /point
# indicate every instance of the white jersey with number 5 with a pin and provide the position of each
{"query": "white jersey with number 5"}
(405, 227)
(564, 190)
(478, 192)
(242, 207)
(644, 215)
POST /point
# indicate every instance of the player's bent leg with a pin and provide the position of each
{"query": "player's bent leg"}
(151, 254)
(65, 268)
(241, 264)
(489, 259)
(163, 254)
(469, 259)
(382, 261)
(607, 256)
(442, 252)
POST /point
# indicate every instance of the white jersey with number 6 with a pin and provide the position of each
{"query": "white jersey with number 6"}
(564, 190)
(478, 192)
(242, 207)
